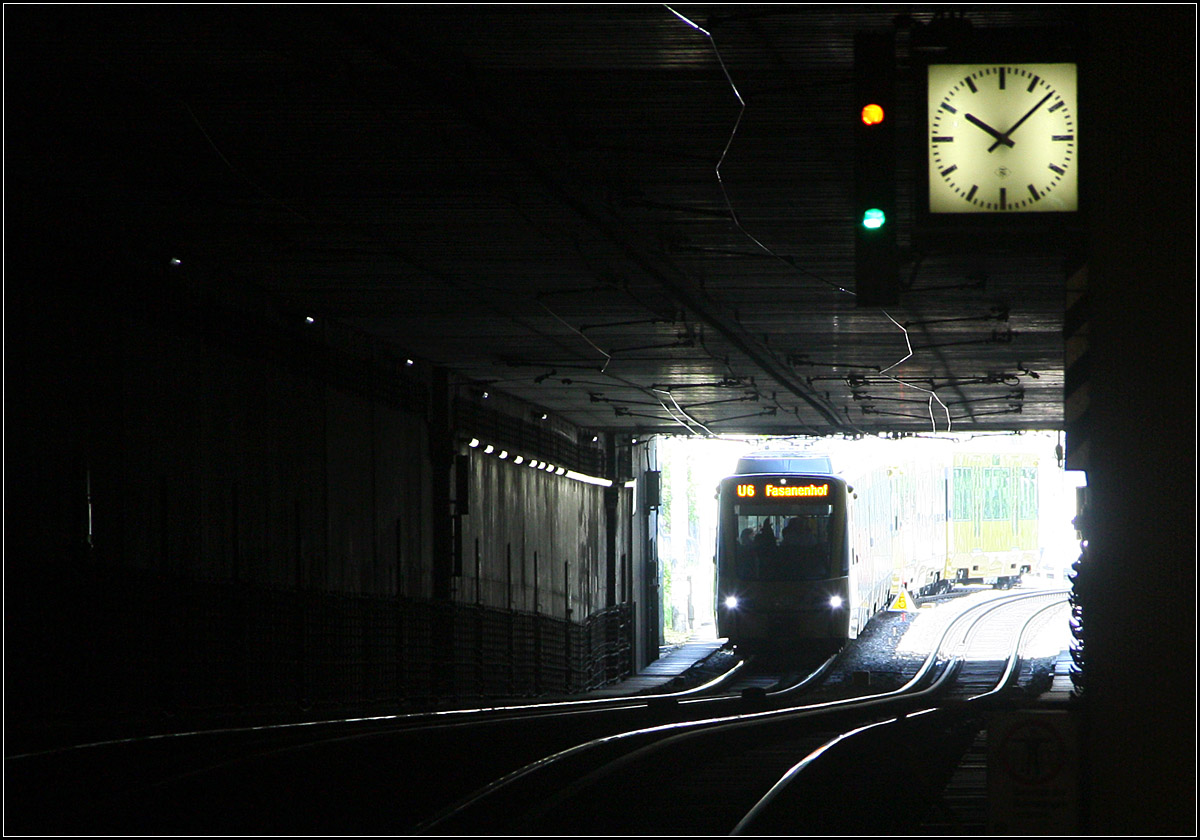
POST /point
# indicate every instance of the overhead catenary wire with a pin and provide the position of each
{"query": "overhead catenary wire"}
(932, 395)
(737, 222)
(725, 152)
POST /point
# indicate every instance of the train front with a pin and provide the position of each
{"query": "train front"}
(783, 571)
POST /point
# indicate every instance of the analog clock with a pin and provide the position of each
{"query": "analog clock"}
(1003, 138)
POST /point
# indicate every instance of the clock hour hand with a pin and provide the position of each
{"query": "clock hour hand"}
(1004, 138)
(1000, 138)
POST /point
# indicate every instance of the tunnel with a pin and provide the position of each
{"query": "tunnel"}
(341, 342)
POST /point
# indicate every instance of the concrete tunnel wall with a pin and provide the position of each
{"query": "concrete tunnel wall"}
(217, 509)
(537, 542)
(232, 470)
(211, 460)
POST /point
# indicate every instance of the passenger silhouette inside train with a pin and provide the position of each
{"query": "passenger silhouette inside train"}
(798, 554)
(801, 555)
(766, 535)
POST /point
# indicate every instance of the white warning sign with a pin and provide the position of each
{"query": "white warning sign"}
(1033, 773)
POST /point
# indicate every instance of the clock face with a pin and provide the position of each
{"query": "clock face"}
(1003, 138)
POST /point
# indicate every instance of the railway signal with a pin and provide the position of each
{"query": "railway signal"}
(876, 265)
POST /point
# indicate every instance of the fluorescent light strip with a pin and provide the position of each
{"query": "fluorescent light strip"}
(544, 466)
(589, 479)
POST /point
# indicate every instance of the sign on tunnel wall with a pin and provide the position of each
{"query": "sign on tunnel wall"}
(1033, 773)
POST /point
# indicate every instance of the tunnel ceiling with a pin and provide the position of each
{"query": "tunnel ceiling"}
(568, 205)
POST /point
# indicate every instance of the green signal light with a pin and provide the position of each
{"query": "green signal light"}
(873, 219)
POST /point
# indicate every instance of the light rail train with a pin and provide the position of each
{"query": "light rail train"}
(992, 516)
(806, 556)
(790, 564)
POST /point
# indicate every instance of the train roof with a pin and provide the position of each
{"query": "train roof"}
(784, 462)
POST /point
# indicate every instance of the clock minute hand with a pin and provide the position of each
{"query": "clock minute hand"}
(1000, 138)
(1017, 124)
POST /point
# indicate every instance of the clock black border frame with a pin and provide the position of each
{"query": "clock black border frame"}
(1000, 46)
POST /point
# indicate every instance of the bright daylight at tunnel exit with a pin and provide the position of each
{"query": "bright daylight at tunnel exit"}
(1023, 522)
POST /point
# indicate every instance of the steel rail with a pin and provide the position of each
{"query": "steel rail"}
(639, 744)
(780, 789)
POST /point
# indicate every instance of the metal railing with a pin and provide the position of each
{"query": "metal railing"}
(126, 645)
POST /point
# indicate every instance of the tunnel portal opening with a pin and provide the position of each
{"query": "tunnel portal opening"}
(968, 510)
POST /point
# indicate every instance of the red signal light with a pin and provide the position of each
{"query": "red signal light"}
(872, 114)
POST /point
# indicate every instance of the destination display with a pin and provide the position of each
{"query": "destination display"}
(769, 490)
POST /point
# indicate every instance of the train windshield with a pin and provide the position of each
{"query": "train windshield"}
(784, 542)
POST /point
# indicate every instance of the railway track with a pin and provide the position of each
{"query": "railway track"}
(393, 774)
(365, 775)
(742, 772)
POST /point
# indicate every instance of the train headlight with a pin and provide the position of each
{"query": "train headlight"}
(835, 601)
(731, 602)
